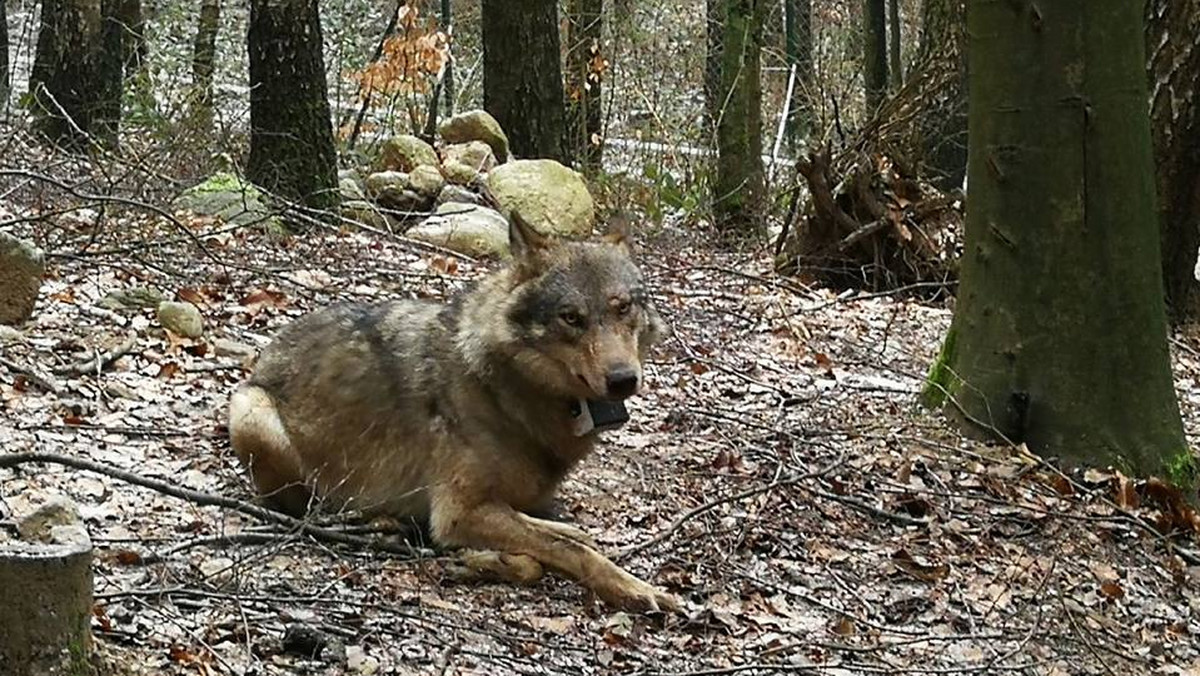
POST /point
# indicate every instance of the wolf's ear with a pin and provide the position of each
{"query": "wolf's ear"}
(527, 245)
(618, 230)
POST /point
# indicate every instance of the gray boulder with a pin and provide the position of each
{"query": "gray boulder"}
(457, 193)
(465, 228)
(467, 163)
(476, 125)
(21, 267)
(549, 196)
(382, 181)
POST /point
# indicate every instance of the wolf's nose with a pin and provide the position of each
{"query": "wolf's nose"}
(621, 382)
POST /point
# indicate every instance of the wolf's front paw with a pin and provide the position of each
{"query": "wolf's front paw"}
(630, 593)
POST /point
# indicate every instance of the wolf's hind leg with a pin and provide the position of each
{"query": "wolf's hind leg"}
(262, 444)
(497, 526)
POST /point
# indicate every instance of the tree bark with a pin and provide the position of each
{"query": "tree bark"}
(522, 75)
(942, 126)
(4, 82)
(739, 192)
(67, 81)
(291, 135)
(1174, 64)
(585, 75)
(1059, 334)
(204, 53)
(896, 67)
(875, 69)
(714, 27)
(797, 18)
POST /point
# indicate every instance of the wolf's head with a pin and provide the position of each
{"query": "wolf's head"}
(577, 318)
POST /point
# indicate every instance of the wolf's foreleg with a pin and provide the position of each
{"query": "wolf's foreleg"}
(496, 526)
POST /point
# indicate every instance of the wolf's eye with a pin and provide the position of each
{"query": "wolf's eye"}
(623, 308)
(572, 319)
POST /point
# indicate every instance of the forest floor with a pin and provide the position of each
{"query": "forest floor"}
(778, 474)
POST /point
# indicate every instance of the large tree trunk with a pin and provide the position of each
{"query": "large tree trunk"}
(942, 124)
(797, 19)
(585, 73)
(875, 69)
(68, 78)
(291, 135)
(522, 75)
(1172, 27)
(739, 199)
(1059, 334)
(204, 54)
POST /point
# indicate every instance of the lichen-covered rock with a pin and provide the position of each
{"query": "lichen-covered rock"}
(549, 196)
(182, 318)
(461, 174)
(465, 228)
(457, 193)
(426, 181)
(134, 298)
(381, 181)
(475, 154)
(21, 268)
(405, 153)
(229, 198)
(476, 125)
(349, 189)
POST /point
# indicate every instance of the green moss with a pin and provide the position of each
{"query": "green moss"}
(222, 181)
(941, 380)
(1183, 469)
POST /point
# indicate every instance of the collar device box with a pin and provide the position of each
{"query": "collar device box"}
(597, 415)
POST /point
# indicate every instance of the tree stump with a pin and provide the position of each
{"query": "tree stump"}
(46, 578)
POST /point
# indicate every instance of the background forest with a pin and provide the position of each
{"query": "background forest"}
(930, 401)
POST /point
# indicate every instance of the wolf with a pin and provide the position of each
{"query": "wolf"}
(463, 416)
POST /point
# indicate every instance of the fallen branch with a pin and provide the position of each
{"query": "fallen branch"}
(250, 509)
(100, 361)
(42, 380)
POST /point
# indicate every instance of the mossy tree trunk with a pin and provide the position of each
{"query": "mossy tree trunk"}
(71, 89)
(714, 27)
(1172, 27)
(1059, 335)
(291, 135)
(875, 67)
(522, 75)
(739, 199)
(585, 75)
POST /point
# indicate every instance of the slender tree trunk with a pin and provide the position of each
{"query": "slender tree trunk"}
(1172, 27)
(1059, 334)
(291, 136)
(897, 67)
(714, 28)
(875, 69)
(522, 75)
(67, 81)
(739, 200)
(585, 74)
(204, 54)
(942, 57)
(448, 78)
(4, 81)
(797, 19)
